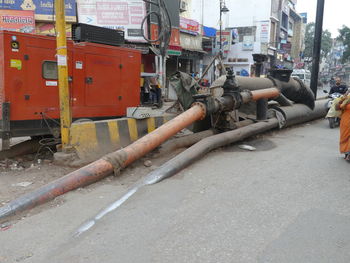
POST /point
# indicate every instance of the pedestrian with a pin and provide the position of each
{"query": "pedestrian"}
(338, 87)
(156, 92)
(344, 142)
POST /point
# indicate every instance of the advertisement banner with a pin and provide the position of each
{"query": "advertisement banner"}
(43, 9)
(20, 21)
(189, 26)
(264, 33)
(114, 14)
(174, 39)
(226, 40)
(48, 29)
(248, 43)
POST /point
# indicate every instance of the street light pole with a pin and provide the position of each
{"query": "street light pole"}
(220, 33)
(317, 46)
(223, 9)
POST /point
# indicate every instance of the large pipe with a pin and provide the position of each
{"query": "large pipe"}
(265, 94)
(22, 148)
(300, 113)
(189, 140)
(111, 162)
(187, 157)
(181, 161)
(105, 166)
(293, 89)
(293, 115)
(183, 142)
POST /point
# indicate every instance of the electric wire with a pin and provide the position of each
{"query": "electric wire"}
(164, 25)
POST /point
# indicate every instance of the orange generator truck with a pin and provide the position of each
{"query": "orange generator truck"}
(104, 80)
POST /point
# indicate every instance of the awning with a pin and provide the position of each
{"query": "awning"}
(209, 31)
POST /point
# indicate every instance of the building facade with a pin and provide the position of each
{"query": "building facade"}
(269, 27)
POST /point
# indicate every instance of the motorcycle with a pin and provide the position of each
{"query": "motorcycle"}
(334, 121)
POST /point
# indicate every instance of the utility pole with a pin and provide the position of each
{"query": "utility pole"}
(220, 32)
(63, 85)
(317, 47)
(223, 9)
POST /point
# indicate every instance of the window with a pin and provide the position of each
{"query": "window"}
(290, 26)
(49, 70)
(284, 23)
(273, 34)
(246, 31)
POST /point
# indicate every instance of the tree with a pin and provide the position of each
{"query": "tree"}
(326, 43)
(344, 36)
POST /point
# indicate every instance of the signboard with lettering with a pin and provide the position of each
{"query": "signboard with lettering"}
(20, 21)
(189, 26)
(114, 14)
(43, 9)
(226, 40)
(48, 29)
(287, 47)
(248, 43)
(264, 33)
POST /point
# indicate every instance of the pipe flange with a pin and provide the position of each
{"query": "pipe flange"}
(204, 109)
(274, 81)
(301, 83)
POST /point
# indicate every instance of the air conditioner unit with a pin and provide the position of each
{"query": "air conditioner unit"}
(183, 5)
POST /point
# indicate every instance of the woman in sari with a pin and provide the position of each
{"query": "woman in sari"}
(344, 142)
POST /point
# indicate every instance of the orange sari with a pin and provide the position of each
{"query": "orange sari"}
(345, 130)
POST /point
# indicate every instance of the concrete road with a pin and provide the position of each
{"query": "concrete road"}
(288, 201)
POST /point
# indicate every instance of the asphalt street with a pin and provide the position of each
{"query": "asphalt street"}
(287, 201)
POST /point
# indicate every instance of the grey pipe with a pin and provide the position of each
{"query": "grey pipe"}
(181, 161)
(189, 140)
(184, 141)
(300, 113)
(295, 114)
(293, 90)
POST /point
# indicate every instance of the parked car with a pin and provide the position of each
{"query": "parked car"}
(303, 75)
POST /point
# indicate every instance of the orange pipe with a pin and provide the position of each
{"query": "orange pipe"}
(265, 94)
(152, 140)
(105, 166)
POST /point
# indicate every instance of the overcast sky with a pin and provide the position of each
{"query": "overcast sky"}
(336, 13)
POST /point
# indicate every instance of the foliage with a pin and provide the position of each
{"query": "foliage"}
(326, 43)
(344, 36)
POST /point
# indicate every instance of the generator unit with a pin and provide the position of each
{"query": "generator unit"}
(104, 80)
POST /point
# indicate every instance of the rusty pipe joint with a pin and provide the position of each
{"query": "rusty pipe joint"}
(246, 96)
(234, 100)
(255, 95)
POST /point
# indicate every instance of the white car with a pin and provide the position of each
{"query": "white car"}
(303, 75)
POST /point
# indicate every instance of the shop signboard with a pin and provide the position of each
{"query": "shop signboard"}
(43, 9)
(115, 14)
(192, 43)
(248, 43)
(15, 20)
(264, 33)
(48, 29)
(226, 40)
(189, 26)
(287, 47)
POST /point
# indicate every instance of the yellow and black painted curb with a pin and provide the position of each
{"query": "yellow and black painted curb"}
(93, 139)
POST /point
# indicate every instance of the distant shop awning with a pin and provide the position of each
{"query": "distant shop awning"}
(191, 43)
(209, 31)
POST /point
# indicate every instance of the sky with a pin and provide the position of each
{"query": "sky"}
(336, 13)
